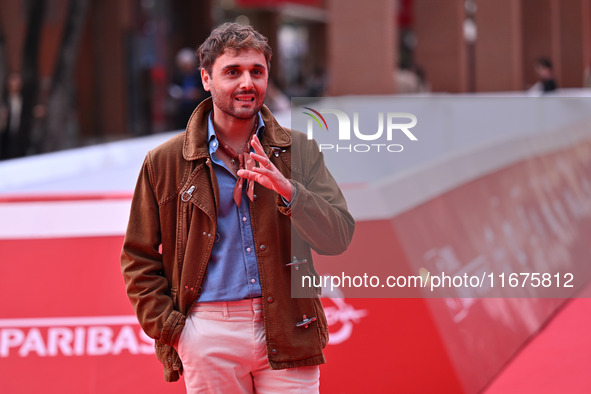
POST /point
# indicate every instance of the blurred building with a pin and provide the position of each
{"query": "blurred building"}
(124, 59)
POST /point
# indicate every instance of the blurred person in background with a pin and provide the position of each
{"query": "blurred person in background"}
(410, 79)
(317, 83)
(186, 89)
(220, 223)
(10, 114)
(545, 72)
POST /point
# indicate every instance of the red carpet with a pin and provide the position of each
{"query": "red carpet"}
(558, 359)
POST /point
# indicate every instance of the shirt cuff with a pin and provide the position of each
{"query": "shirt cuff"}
(288, 203)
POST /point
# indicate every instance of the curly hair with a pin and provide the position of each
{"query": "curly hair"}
(231, 36)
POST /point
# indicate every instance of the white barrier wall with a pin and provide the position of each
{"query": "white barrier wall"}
(483, 187)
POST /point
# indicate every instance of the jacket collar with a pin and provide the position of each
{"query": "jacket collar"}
(195, 141)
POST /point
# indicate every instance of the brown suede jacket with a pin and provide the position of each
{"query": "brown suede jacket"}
(172, 228)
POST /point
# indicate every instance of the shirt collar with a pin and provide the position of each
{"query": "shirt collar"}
(212, 140)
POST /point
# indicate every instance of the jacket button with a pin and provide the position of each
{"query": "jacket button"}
(306, 321)
(254, 196)
(263, 247)
(274, 351)
(270, 300)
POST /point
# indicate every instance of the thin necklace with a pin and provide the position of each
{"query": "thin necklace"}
(245, 162)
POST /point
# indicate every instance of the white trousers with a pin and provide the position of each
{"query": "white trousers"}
(223, 350)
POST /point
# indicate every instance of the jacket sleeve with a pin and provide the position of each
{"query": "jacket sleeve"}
(142, 265)
(318, 211)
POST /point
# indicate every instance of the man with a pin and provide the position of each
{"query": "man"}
(222, 220)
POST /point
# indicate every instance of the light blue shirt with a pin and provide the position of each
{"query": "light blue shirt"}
(232, 272)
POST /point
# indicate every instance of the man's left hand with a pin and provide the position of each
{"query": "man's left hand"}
(266, 174)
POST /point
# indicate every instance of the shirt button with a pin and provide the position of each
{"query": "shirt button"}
(215, 144)
(270, 300)
(244, 218)
(263, 247)
(248, 250)
(253, 280)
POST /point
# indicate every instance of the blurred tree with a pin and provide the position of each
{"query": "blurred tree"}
(48, 117)
(35, 11)
(59, 130)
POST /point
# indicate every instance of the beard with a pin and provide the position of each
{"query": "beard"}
(233, 107)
